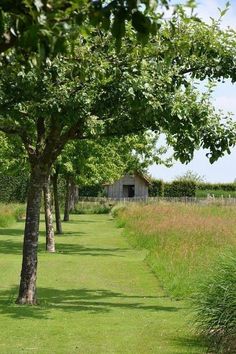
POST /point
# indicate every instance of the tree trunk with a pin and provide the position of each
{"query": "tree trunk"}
(56, 203)
(72, 193)
(50, 240)
(67, 200)
(27, 290)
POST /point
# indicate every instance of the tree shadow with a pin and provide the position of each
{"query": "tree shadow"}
(82, 221)
(10, 247)
(11, 232)
(194, 342)
(66, 248)
(71, 233)
(15, 247)
(95, 301)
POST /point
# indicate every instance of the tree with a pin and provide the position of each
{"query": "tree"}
(50, 240)
(191, 176)
(54, 178)
(14, 170)
(99, 161)
(42, 27)
(100, 92)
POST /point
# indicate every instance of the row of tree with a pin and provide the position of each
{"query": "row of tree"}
(81, 163)
(65, 78)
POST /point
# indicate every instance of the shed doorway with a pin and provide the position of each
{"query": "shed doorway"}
(128, 191)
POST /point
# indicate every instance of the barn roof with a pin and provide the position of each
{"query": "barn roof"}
(145, 178)
(141, 175)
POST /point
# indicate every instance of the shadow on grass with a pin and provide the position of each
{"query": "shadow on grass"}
(66, 248)
(191, 342)
(76, 300)
(11, 232)
(10, 247)
(15, 247)
(70, 233)
(86, 221)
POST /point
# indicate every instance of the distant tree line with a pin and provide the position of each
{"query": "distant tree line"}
(186, 188)
(14, 189)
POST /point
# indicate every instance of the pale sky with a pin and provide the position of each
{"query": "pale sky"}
(224, 170)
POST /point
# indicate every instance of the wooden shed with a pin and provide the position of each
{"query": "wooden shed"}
(129, 186)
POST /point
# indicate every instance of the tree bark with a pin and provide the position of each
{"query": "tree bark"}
(72, 193)
(67, 200)
(27, 290)
(50, 240)
(56, 204)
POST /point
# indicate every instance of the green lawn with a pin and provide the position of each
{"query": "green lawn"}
(96, 296)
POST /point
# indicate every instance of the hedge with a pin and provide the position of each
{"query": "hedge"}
(217, 186)
(91, 191)
(178, 189)
(13, 188)
(156, 189)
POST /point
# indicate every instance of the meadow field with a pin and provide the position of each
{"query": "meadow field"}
(192, 251)
(184, 240)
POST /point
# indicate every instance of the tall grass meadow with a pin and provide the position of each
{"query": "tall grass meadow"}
(9, 213)
(215, 305)
(192, 250)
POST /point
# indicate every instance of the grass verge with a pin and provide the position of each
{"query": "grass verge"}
(9, 213)
(92, 208)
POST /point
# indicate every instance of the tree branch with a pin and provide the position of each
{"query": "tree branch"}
(40, 126)
(10, 130)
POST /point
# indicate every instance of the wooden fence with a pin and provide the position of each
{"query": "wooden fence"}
(154, 200)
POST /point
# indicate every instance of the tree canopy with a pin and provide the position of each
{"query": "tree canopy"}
(62, 80)
(44, 26)
(105, 160)
(102, 92)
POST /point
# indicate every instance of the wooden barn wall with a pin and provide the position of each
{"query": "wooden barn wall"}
(141, 187)
(115, 190)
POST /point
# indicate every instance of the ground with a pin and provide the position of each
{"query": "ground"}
(96, 295)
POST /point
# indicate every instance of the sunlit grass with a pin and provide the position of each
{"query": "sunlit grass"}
(96, 295)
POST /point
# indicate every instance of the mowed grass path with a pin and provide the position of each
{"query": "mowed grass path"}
(96, 295)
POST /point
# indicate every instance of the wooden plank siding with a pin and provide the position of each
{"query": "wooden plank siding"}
(116, 190)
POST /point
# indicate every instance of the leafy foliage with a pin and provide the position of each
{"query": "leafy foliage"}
(156, 189)
(101, 92)
(93, 162)
(178, 189)
(228, 187)
(13, 188)
(44, 27)
(190, 176)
